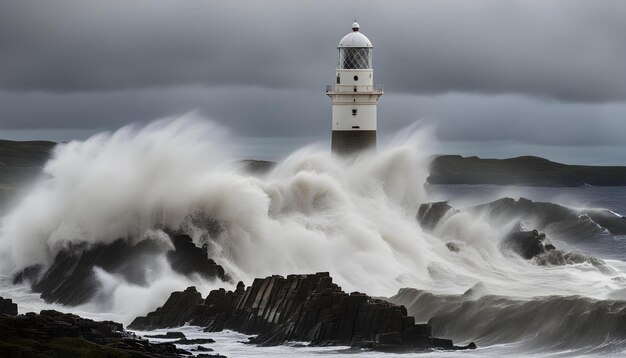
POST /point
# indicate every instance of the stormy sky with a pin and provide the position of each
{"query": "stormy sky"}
(497, 78)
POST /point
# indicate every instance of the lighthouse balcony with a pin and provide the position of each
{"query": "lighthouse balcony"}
(375, 88)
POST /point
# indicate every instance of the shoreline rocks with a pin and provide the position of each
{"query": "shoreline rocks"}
(7, 307)
(299, 308)
(71, 279)
(56, 334)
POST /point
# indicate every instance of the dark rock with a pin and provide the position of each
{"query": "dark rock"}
(304, 308)
(176, 311)
(195, 341)
(56, 334)
(8, 307)
(204, 355)
(187, 258)
(583, 224)
(558, 258)
(203, 349)
(453, 246)
(430, 214)
(168, 335)
(527, 244)
(71, 280)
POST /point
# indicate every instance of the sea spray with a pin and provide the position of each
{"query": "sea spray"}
(354, 217)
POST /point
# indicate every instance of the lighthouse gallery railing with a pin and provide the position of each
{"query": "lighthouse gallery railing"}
(350, 88)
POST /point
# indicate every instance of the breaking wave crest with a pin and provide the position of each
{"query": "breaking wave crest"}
(555, 323)
(354, 217)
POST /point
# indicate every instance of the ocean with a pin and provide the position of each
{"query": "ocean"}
(313, 212)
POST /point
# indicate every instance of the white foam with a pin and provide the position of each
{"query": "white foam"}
(354, 217)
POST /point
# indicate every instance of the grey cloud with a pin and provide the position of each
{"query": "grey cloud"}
(565, 50)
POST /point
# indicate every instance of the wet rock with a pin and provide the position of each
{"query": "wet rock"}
(559, 258)
(176, 311)
(430, 214)
(168, 335)
(187, 258)
(306, 308)
(8, 307)
(453, 246)
(195, 341)
(202, 349)
(579, 224)
(71, 279)
(56, 334)
(527, 244)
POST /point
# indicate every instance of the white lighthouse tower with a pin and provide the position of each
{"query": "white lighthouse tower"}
(354, 96)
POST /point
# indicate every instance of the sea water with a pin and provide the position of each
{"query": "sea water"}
(313, 212)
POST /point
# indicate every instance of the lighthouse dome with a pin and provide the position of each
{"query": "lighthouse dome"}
(355, 38)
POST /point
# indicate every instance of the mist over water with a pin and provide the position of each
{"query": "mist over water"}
(353, 217)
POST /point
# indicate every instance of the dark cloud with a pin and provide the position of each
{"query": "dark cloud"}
(533, 72)
(569, 50)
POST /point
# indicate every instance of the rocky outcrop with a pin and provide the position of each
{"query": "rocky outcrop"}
(300, 308)
(8, 307)
(168, 335)
(177, 310)
(527, 244)
(71, 279)
(187, 259)
(575, 223)
(56, 334)
(430, 214)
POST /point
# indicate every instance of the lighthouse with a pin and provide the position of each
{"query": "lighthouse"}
(354, 96)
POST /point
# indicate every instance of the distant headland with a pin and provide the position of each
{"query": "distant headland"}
(521, 171)
(22, 160)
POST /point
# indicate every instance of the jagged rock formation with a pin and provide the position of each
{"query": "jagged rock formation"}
(71, 280)
(176, 311)
(8, 307)
(56, 334)
(187, 258)
(301, 308)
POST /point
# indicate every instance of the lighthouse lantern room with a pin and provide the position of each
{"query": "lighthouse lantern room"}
(354, 96)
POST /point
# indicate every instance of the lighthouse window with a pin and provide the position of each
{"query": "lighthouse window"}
(354, 112)
(356, 78)
(354, 58)
(338, 79)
